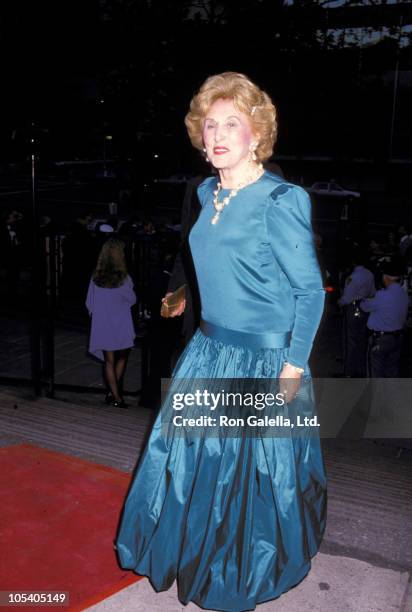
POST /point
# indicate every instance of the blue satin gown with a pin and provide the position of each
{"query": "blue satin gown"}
(236, 520)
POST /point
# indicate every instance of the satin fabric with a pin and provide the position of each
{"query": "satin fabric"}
(235, 520)
(257, 266)
(251, 341)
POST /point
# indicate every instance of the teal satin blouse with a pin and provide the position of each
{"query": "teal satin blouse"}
(257, 268)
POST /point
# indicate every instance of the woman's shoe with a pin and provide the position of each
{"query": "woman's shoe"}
(108, 398)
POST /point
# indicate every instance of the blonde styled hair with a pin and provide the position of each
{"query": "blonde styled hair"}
(247, 97)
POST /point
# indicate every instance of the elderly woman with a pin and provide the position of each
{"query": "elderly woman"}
(237, 519)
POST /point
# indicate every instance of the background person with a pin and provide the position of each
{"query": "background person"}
(405, 239)
(358, 286)
(388, 312)
(162, 337)
(183, 272)
(109, 299)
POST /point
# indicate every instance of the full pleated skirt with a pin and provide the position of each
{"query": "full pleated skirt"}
(235, 520)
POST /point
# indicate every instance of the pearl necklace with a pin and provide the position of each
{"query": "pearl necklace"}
(219, 206)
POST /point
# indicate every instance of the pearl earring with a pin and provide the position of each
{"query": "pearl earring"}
(206, 157)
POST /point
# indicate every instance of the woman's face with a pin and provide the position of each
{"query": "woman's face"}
(227, 135)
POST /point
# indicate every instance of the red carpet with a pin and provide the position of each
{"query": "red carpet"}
(58, 520)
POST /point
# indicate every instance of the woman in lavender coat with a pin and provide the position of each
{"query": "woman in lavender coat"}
(109, 300)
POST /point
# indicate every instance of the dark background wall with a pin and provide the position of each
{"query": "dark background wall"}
(341, 77)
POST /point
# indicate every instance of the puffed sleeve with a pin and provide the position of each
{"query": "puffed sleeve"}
(205, 189)
(288, 224)
(90, 298)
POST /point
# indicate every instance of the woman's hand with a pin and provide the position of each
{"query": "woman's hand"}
(289, 382)
(177, 311)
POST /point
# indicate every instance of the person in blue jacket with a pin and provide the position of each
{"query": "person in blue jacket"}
(236, 519)
(388, 312)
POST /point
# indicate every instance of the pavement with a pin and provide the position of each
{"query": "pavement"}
(334, 583)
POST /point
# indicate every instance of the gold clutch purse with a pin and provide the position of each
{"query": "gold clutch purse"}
(172, 302)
